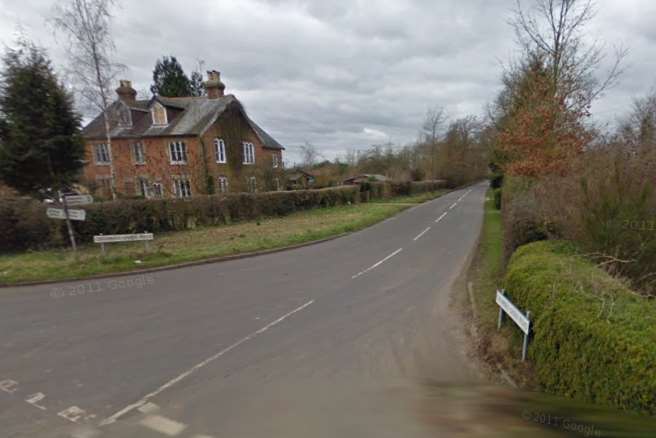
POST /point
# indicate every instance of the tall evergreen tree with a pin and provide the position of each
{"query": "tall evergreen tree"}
(196, 84)
(169, 79)
(40, 142)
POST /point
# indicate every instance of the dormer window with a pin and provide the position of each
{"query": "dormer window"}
(123, 116)
(158, 113)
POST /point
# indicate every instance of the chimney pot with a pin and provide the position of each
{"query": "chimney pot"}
(125, 91)
(215, 88)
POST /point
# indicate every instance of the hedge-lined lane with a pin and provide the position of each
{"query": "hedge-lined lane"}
(595, 339)
(202, 242)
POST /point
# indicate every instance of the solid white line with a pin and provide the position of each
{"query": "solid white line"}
(377, 264)
(144, 400)
(440, 218)
(422, 233)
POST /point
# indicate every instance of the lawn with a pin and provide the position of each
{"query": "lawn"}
(202, 243)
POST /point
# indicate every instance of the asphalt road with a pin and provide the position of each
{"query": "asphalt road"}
(334, 339)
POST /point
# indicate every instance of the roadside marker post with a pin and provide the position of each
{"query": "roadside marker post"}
(522, 320)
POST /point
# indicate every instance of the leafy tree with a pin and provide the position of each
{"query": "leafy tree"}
(169, 79)
(40, 142)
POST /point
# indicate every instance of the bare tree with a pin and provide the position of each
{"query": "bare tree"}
(554, 28)
(430, 132)
(86, 25)
(310, 155)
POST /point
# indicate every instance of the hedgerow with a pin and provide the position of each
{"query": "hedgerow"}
(24, 225)
(594, 338)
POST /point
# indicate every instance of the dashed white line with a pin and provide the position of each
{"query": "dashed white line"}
(440, 218)
(377, 264)
(146, 398)
(453, 206)
(422, 233)
(163, 425)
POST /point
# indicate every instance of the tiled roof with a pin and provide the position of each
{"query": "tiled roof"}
(187, 116)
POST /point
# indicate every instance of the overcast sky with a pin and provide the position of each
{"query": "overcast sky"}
(345, 74)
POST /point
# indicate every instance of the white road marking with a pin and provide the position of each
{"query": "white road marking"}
(163, 425)
(440, 218)
(422, 233)
(453, 206)
(147, 397)
(377, 264)
(35, 398)
(148, 408)
(9, 386)
(72, 414)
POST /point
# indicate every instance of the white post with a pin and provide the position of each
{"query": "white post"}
(525, 345)
(503, 292)
(102, 247)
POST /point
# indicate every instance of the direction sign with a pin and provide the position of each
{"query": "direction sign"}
(73, 214)
(515, 314)
(113, 238)
(73, 200)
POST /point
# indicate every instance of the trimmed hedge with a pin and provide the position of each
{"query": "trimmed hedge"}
(594, 339)
(24, 225)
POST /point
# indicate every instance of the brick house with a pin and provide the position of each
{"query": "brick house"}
(179, 147)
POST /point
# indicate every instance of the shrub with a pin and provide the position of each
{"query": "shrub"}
(522, 221)
(607, 204)
(497, 198)
(496, 180)
(593, 337)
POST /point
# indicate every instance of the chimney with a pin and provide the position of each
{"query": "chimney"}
(125, 91)
(215, 88)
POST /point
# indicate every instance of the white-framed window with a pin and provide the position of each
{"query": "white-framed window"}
(249, 153)
(104, 184)
(158, 114)
(275, 160)
(181, 187)
(138, 153)
(178, 152)
(101, 153)
(157, 190)
(223, 184)
(143, 187)
(220, 150)
(252, 184)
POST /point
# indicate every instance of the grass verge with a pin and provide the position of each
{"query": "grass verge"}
(496, 348)
(202, 243)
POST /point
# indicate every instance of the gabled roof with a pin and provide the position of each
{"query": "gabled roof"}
(187, 116)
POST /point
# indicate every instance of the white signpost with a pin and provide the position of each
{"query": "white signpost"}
(116, 238)
(77, 200)
(73, 214)
(522, 320)
(67, 214)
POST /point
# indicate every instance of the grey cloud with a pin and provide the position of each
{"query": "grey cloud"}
(345, 73)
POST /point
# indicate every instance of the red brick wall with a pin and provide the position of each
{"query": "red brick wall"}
(158, 168)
